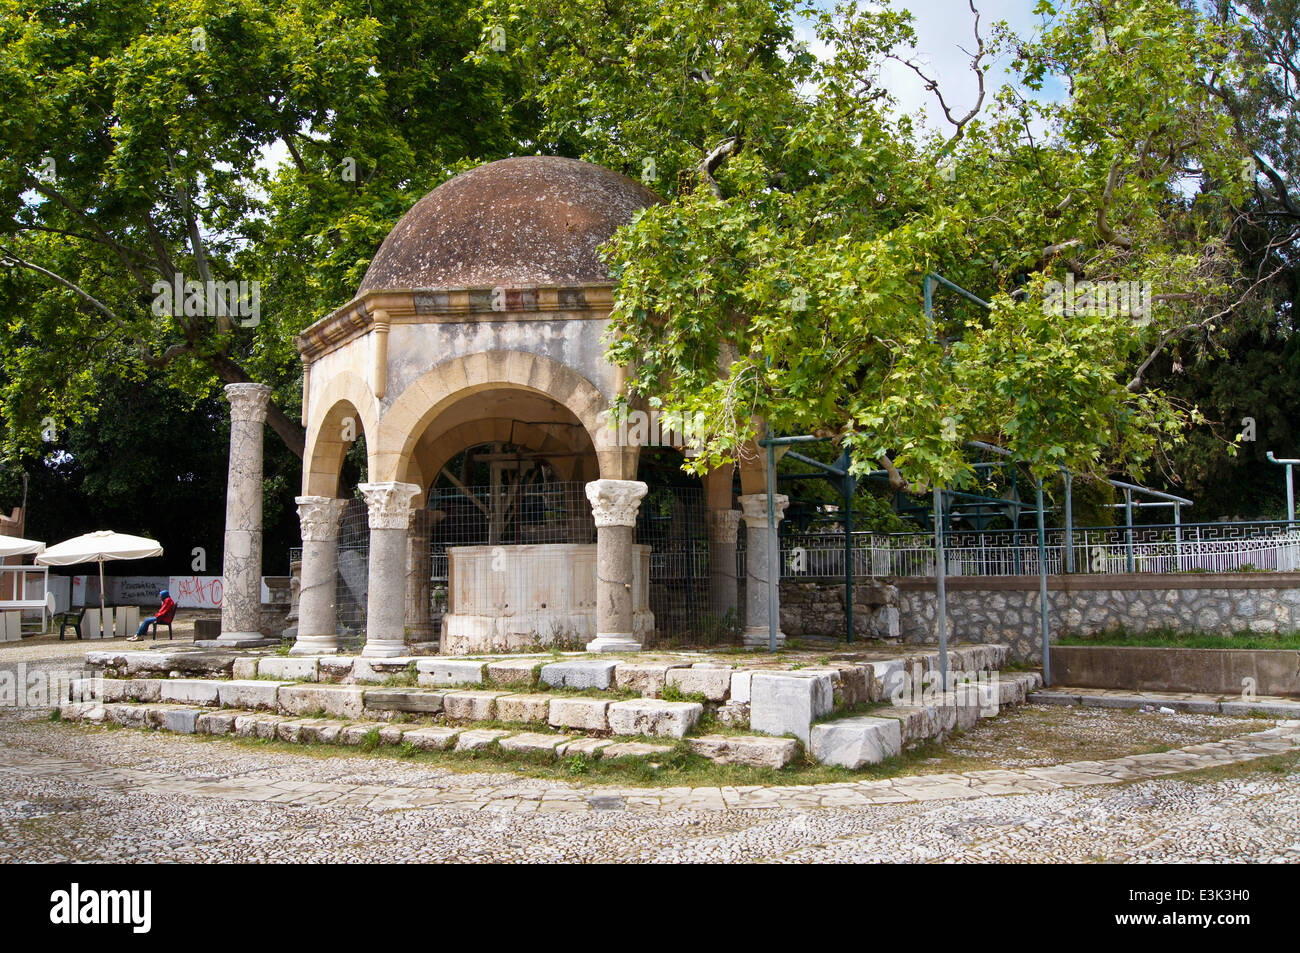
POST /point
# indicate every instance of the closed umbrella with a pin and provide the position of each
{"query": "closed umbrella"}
(98, 547)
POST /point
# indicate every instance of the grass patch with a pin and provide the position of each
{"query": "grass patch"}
(1175, 639)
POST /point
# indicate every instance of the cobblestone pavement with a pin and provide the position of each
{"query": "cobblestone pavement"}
(106, 796)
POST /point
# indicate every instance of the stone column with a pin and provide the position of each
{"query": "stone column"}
(613, 506)
(318, 617)
(724, 527)
(419, 567)
(758, 565)
(390, 515)
(241, 601)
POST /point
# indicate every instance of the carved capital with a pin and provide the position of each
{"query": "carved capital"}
(724, 525)
(319, 516)
(389, 504)
(754, 508)
(615, 502)
(248, 402)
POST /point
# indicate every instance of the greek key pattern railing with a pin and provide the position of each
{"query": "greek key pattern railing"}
(1185, 548)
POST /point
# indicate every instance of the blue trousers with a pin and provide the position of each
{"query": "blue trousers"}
(144, 626)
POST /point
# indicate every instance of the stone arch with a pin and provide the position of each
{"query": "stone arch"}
(436, 450)
(419, 404)
(344, 395)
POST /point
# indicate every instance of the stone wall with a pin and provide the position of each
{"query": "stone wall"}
(817, 608)
(1005, 609)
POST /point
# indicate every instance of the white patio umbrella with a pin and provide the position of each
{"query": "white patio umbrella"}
(99, 546)
(14, 546)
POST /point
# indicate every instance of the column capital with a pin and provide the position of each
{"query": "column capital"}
(389, 504)
(248, 401)
(754, 508)
(615, 502)
(724, 525)
(319, 516)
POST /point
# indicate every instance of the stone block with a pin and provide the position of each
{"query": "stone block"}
(645, 678)
(335, 668)
(787, 703)
(378, 670)
(481, 738)
(440, 672)
(125, 689)
(128, 716)
(587, 714)
(244, 668)
(182, 721)
(913, 721)
(471, 705)
(256, 726)
(884, 678)
(523, 708)
(579, 673)
(431, 738)
(356, 734)
(336, 700)
(851, 687)
(514, 671)
(740, 682)
(758, 752)
(633, 749)
(320, 731)
(252, 695)
(533, 742)
(291, 730)
(188, 691)
(589, 748)
(216, 723)
(856, 742)
(734, 714)
(653, 716)
(713, 683)
(304, 669)
(421, 700)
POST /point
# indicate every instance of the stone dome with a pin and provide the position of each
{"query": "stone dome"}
(534, 220)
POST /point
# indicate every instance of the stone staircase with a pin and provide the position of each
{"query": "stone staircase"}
(839, 712)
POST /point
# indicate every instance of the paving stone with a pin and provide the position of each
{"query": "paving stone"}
(739, 749)
(403, 699)
(290, 669)
(514, 671)
(340, 701)
(579, 673)
(713, 683)
(524, 708)
(533, 742)
(654, 716)
(856, 742)
(633, 749)
(646, 678)
(587, 714)
(251, 695)
(441, 672)
(471, 705)
(787, 703)
(589, 748)
(244, 668)
(479, 738)
(431, 737)
(188, 691)
(216, 723)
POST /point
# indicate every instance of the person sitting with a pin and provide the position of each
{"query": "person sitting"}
(163, 615)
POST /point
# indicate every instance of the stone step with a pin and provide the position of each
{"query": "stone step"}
(184, 719)
(756, 751)
(1182, 702)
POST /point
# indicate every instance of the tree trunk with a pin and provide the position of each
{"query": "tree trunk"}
(289, 430)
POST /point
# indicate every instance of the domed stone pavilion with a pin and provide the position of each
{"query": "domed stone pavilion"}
(478, 330)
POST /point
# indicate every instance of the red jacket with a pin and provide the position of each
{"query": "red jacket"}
(167, 611)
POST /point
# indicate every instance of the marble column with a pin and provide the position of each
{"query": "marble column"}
(389, 507)
(758, 565)
(419, 569)
(724, 526)
(241, 601)
(614, 505)
(318, 617)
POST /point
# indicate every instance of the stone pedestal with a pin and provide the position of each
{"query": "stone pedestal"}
(419, 569)
(614, 506)
(241, 602)
(390, 516)
(317, 598)
(724, 527)
(758, 564)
